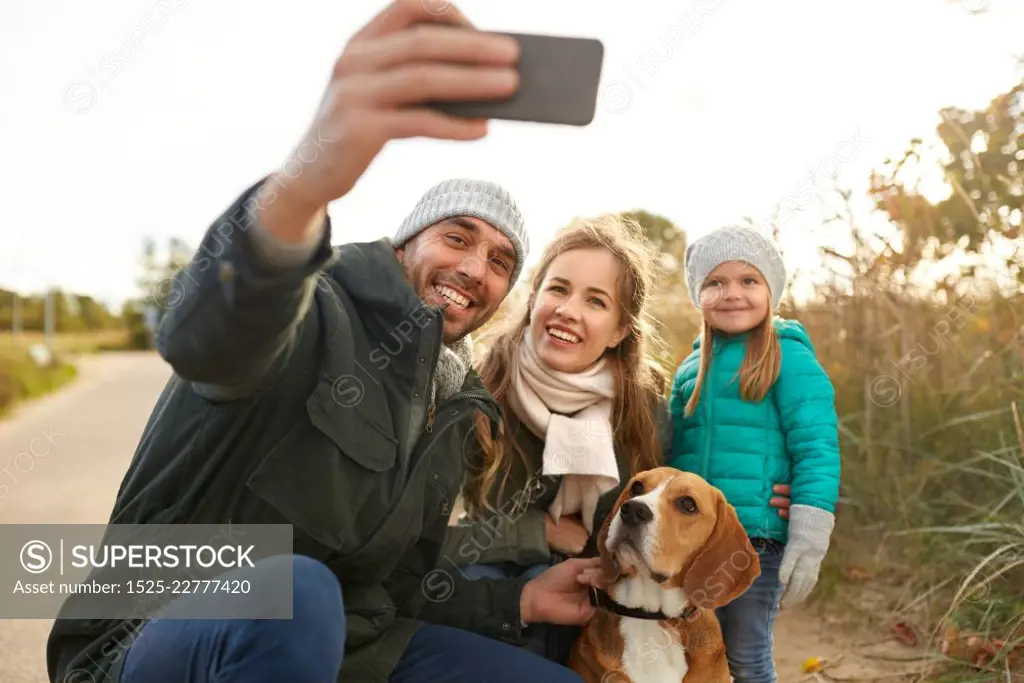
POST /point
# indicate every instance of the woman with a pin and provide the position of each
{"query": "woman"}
(581, 396)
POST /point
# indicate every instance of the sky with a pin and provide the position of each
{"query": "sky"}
(130, 119)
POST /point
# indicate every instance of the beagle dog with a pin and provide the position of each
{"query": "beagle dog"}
(672, 550)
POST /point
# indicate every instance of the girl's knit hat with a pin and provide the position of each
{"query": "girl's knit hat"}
(734, 243)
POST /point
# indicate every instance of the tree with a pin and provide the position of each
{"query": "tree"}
(158, 289)
(72, 312)
(663, 233)
(678, 321)
(984, 170)
(95, 315)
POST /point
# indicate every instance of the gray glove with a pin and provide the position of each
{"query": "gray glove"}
(810, 529)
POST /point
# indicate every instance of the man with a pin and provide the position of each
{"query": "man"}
(331, 390)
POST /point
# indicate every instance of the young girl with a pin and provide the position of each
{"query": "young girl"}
(752, 407)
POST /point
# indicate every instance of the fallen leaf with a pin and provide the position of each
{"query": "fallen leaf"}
(979, 651)
(952, 645)
(982, 652)
(813, 665)
(855, 572)
(999, 647)
(906, 633)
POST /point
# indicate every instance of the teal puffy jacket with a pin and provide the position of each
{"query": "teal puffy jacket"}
(743, 448)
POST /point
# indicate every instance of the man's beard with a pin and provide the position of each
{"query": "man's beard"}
(465, 324)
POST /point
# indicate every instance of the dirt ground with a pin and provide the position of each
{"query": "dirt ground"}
(92, 428)
(846, 654)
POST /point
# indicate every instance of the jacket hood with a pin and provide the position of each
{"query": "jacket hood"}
(786, 329)
(373, 277)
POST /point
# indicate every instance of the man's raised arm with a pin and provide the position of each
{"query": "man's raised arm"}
(235, 310)
(240, 303)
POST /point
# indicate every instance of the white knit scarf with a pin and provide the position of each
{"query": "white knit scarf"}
(572, 413)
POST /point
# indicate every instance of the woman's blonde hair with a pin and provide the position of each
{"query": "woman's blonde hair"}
(761, 362)
(639, 378)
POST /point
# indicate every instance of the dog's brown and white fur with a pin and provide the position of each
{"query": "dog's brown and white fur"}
(671, 542)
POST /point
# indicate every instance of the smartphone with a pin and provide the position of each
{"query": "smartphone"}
(558, 81)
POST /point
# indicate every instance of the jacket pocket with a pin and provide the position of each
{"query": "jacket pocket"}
(440, 496)
(356, 420)
(326, 466)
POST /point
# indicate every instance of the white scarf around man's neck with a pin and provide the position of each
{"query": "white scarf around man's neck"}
(572, 413)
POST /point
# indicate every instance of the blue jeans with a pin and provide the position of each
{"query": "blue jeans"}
(309, 647)
(501, 570)
(748, 620)
(439, 654)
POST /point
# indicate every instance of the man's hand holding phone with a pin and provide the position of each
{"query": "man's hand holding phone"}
(407, 55)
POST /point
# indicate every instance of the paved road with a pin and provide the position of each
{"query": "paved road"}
(61, 460)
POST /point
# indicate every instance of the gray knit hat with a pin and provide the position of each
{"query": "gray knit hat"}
(466, 197)
(734, 243)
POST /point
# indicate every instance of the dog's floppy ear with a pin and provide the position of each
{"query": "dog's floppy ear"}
(610, 569)
(727, 564)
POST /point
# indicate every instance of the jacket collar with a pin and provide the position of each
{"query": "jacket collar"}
(786, 329)
(372, 276)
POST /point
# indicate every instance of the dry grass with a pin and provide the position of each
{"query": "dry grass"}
(930, 393)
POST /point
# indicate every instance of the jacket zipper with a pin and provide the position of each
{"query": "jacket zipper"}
(419, 457)
(452, 404)
(436, 355)
(431, 413)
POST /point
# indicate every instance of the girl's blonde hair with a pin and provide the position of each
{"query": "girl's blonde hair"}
(761, 363)
(639, 379)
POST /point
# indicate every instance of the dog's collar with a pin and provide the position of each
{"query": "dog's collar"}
(601, 599)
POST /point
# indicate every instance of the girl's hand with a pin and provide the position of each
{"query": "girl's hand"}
(567, 536)
(809, 534)
(782, 500)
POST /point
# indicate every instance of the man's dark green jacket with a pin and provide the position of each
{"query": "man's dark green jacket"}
(301, 396)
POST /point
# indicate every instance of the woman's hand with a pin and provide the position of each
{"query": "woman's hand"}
(567, 536)
(781, 499)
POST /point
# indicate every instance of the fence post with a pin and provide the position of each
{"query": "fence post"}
(49, 320)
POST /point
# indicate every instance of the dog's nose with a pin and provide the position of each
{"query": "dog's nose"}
(635, 513)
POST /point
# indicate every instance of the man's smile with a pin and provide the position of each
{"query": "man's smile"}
(459, 299)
